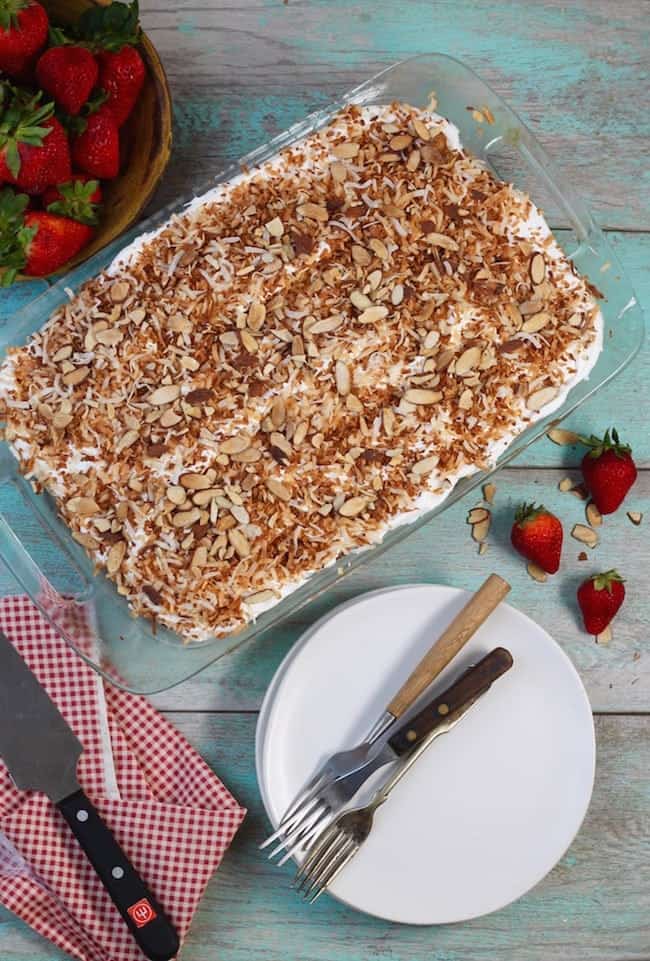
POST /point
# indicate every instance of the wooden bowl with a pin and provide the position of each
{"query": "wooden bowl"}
(145, 142)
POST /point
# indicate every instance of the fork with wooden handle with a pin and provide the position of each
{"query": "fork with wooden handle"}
(304, 817)
(342, 840)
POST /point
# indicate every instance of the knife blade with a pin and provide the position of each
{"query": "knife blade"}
(41, 753)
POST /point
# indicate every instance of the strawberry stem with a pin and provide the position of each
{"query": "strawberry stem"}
(528, 512)
(14, 236)
(604, 581)
(611, 441)
(9, 10)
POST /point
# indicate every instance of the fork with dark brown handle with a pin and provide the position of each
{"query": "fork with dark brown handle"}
(341, 840)
(304, 816)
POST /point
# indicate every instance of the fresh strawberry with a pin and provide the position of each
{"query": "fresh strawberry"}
(537, 534)
(608, 470)
(79, 199)
(68, 73)
(34, 150)
(55, 240)
(23, 34)
(97, 149)
(600, 597)
(121, 75)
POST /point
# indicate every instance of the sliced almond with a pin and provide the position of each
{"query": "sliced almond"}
(204, 497)
(76, 376)
(326, 326)
(165, 395)
(300, 433)
(466, 399)
(343, 379)
(378, 247)
(482, 547)
(61, 420)
(84, 506)
(373, 314)
(426, 465)
(468, 360)
(62, 353)
(280, 441)
(441, 240)
(195, 482)
(176, 494)
(562, 437)
(360, 255)
(275, 227)
(594, 517)
(477, 514)
(401, 141)
(186, 518)
(249, 456)
(240, 542)
(359, 300)
(579, 491)
(481, 529)
(278, 489)
(119, 292)
(537, 269)
(345, 151)
(339, 172)
(313, 212)
(536, 572)
(421, 129)
(585, 535)
(605, 637)
(278, 412)
(256, 315)
(635, 516)
(489, 490)
(566, 484)
(540, 398)
(115, 557)
(235, 445)
(248, 342)
(419, 395)
(535, 322)
(170, 418)
(127, 440)
(199, 557)
(110, 337)
(353, 506)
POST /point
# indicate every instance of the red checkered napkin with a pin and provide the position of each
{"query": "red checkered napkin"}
(170, 813)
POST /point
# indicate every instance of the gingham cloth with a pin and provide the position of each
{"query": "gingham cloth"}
(169, 812)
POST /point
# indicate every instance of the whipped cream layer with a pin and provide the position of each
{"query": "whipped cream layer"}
(304, 358)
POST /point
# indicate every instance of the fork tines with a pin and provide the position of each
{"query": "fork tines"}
(324, 861)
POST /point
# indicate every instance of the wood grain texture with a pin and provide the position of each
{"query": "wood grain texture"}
(617, 677)
(594, 906)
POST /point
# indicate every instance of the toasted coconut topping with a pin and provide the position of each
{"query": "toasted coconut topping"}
(302, 358)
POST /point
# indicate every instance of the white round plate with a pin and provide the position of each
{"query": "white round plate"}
(490, 808)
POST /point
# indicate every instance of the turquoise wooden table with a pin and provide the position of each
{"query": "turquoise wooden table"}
(579, 73)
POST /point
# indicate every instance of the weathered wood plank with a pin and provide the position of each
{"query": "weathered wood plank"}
(594, 906)
(577, 73)
(617, 677)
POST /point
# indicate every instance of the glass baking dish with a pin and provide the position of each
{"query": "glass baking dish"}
(55, 571)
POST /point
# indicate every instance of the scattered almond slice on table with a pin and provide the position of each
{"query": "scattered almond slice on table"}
(536, 572)
(562, 437)
(605, 637)
(480, 518)
(594, 517)
(635, 516)
(566, 484)
(586, 535)
(489, 490)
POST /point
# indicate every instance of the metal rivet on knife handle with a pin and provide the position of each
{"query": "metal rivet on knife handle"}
(450, 642)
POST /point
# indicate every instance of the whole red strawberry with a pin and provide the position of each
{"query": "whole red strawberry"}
(600, 597)
(608, 471)
(23, 34)
(35, 242)
(79, 190)
(121, 75)
(68, 73)
(537, 534)
(34, 150)
(97, 150)
(55, 240)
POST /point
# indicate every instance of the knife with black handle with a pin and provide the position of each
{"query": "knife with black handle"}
(41, 754)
